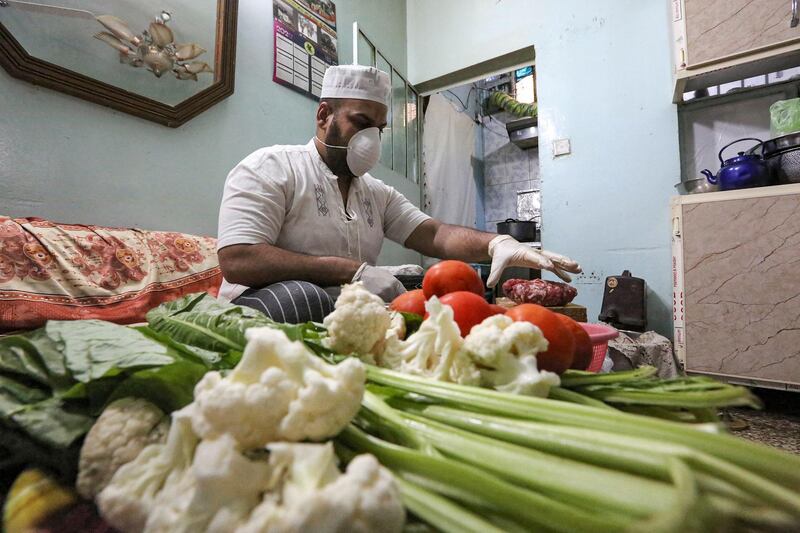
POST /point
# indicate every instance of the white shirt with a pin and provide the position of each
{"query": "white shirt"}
(286, 196)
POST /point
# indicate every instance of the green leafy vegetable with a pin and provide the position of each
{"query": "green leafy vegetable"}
(92, 349)
(413, 322)
(203, 321)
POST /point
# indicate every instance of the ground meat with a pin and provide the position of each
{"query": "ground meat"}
(539, 291)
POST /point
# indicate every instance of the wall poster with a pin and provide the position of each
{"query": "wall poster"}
(305, 43)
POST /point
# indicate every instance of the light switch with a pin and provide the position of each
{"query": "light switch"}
(561, 147)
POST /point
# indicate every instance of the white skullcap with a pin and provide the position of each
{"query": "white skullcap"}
(356, 81)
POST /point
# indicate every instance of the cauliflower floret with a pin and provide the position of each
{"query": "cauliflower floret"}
(127, 501)
(308, 493)
(359, 323)
(397, 326)
(435, 350)
(123, 430)
(278, 391)
(506, 352)
(220, 490)
(184, 485)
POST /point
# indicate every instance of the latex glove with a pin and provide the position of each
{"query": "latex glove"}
(506, 251)
(379, 281)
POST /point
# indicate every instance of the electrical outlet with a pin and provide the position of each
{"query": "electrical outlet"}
(561, 147)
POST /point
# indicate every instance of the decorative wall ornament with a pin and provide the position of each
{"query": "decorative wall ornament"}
(154, 49)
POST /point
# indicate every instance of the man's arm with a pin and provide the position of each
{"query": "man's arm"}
(258, 265)
(446, 241)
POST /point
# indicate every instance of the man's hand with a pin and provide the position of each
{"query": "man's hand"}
(379, 281)
(508, 252)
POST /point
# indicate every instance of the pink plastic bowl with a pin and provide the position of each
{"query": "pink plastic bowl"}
(599, 334)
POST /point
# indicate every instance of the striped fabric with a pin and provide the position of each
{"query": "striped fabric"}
(292, 302)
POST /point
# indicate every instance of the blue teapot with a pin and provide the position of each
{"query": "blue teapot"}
(741, 172)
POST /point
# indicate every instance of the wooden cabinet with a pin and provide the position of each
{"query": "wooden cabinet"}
(721, 29)
(736, 292)
(718, 41)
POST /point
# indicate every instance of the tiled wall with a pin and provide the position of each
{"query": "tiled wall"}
(507, 169)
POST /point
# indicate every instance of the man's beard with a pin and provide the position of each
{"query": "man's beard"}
(337, 157)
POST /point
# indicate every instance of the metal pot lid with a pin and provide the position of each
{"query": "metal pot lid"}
(781, 144)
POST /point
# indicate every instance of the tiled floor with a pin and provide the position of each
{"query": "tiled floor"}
(777, 425)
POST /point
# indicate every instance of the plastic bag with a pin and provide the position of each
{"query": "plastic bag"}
(784, 117)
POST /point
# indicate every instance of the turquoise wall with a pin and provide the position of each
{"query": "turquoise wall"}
(604, 82)
(68, 160)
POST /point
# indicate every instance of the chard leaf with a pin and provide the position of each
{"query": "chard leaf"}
(203, 321)
(93, 348)
(170, 387)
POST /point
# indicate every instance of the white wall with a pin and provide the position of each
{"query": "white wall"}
(72, 161)
(604, 83)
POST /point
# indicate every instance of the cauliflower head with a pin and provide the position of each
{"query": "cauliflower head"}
(124, 429)
(358, 323)
(505, 351)
(308, 493)
(278, 391)
(435, 350)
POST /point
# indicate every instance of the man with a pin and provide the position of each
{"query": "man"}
(297, 219)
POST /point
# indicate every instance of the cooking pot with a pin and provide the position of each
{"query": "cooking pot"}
(696, 185)
(782, 155)
(522, 230)
(741, 172)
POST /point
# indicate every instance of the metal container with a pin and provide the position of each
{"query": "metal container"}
(696, 185)
(522, 230)
(783, 158)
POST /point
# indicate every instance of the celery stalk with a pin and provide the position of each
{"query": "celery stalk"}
(779, 466)
(566, 395)
(572, 378)
(441, 512)
(565, 479)
(642, 456)
(470, 485)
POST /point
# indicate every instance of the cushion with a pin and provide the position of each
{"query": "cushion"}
(53, 271)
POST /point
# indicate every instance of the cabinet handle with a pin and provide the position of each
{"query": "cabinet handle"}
(795, 19)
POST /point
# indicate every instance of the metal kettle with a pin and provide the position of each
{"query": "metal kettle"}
(741, 172)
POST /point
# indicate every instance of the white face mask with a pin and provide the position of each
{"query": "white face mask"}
(363, 150)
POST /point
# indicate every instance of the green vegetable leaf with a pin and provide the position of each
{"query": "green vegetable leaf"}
(170, 387)
(35, 356)
(44, 418)
(413, 322)
(51, 423)
(94, 348)
(203, 321)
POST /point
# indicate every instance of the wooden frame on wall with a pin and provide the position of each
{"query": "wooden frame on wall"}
(20, 64)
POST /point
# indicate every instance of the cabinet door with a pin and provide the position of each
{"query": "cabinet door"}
(741, 288)
(717, 29)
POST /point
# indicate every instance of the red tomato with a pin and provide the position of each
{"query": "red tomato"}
(469, 309)
(561, 350)
(497, 309)
(410, 302)
(583, 344)
(451, 276)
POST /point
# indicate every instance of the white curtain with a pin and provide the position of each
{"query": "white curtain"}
(448, 145)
